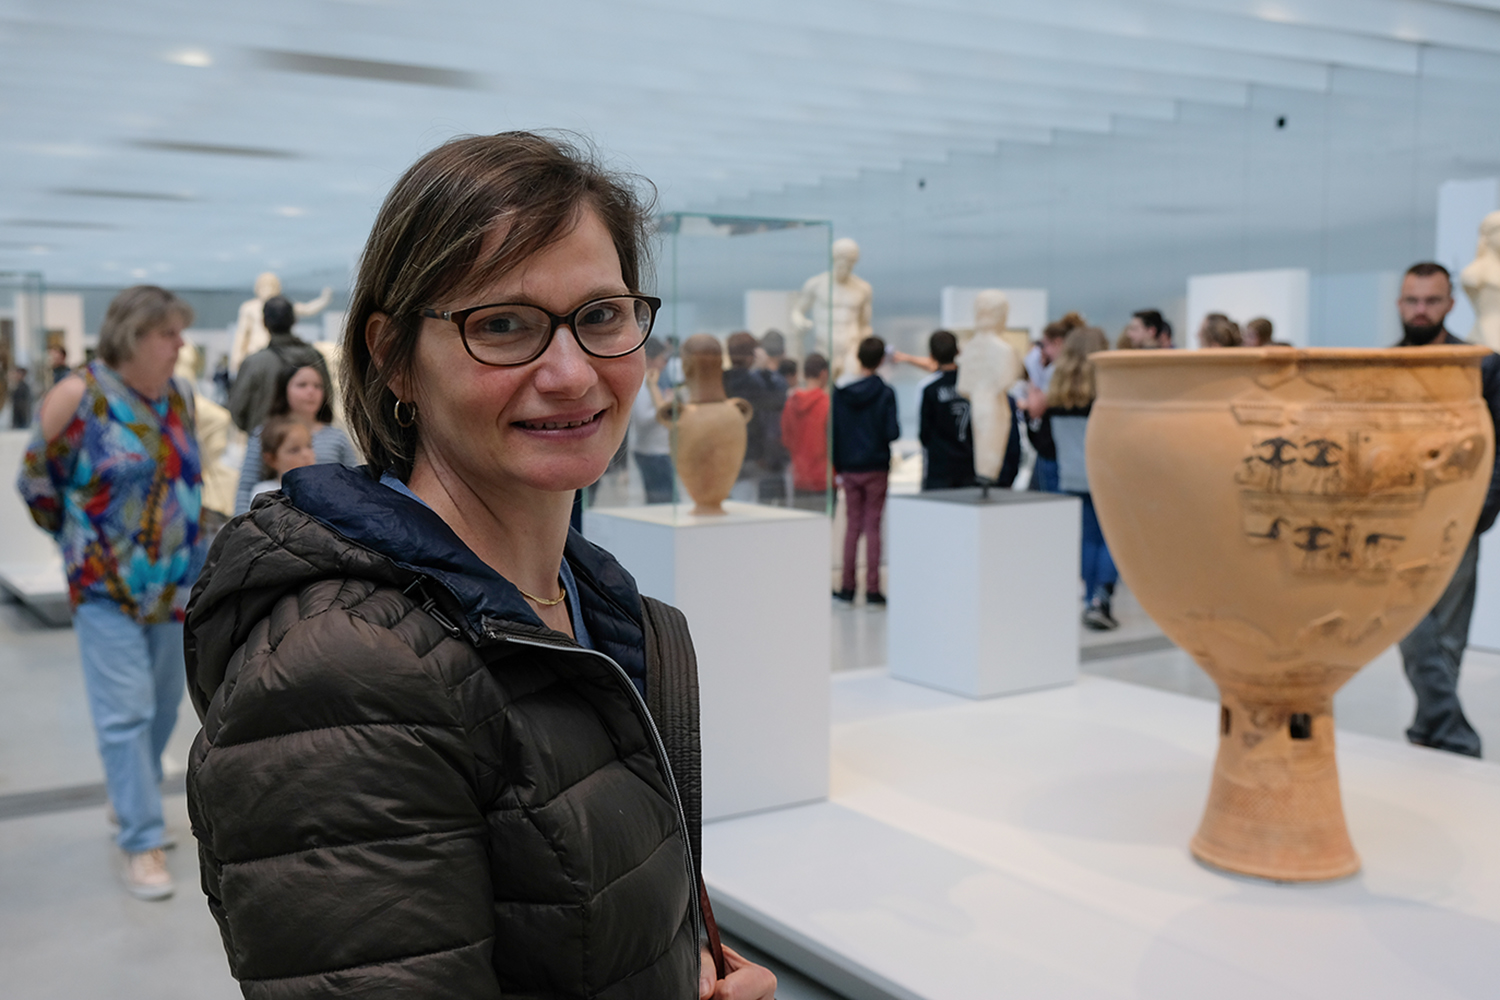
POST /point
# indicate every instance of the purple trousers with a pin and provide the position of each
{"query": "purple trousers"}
(864, 498)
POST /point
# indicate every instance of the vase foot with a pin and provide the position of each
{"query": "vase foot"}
(1274, 809)
(1255, 867)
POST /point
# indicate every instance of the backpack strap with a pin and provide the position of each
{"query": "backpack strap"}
(672, 698)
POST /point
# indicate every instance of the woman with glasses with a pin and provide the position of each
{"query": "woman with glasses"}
(431, 763)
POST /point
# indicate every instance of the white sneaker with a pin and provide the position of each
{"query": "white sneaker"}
(146, 875)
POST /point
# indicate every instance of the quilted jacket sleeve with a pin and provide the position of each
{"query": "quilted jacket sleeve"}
(332, 792)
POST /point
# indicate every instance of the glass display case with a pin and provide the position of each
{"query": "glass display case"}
(726, 413)
(23, 344)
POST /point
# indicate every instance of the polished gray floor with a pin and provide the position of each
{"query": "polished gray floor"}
(68, 930)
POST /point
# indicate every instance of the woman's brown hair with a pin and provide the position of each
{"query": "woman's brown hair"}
(132, 313)
(273, 434)
(1221, 331)
(428, 242)
(1072, 385)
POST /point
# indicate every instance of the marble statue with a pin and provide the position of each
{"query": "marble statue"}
(1481, 281)
(250, 334)
(987, 368)
(849, 313)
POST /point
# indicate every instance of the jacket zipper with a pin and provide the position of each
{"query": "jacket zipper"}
(661, 752)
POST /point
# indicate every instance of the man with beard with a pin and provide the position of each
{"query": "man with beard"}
(1434, 649)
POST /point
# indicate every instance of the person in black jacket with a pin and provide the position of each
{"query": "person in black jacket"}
(864, 425)
(765, 391)
(943, 421)
(430, 765)
(1433, 651)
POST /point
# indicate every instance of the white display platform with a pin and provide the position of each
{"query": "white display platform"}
(1036, 846)
(984, 596)
(754, 586)
(31, 568)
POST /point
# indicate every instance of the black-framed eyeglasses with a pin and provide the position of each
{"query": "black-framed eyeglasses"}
(517, 333)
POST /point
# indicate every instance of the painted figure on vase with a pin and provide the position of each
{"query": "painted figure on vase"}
(708, 431)
(250, 333)
(843, 322)
(1481, 281)
(987, 368)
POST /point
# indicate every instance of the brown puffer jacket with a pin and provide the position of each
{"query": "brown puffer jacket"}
(406, 785)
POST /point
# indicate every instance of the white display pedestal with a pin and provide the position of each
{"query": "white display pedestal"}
(984, 594)
(753, 584)
(1037, 846)
(31, 568)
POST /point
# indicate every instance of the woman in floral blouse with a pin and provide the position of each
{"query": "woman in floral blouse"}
(113, 474)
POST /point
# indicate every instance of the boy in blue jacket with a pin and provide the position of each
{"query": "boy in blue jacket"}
(864, 425)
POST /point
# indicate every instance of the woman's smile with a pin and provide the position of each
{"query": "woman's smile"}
(564, 424)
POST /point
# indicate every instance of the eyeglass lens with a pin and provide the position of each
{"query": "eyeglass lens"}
(509, 334)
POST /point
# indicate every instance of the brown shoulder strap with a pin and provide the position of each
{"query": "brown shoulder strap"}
(672, 698)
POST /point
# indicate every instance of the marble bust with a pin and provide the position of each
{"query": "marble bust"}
(987, 368)
(250, 334)
(1481, 281)
(839, 325)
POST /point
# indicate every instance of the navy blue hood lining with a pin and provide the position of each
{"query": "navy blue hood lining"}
(863, 393)
(354, 504)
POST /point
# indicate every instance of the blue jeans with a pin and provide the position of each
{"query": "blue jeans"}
(1044, 476)
(1098, 569)
(656, 476)
(1431, 655)
(135, 677)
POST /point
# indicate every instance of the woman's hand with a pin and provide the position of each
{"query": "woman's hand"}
(745, 981)
(1036, 402)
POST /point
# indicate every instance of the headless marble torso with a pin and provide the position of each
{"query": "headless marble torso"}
(1481, 281)
(840, 324)
(987, 368)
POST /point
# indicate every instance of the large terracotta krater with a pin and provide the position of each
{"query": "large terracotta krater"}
(1284, 516)
(709, 430)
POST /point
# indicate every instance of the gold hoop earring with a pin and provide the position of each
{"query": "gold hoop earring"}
(411, 409)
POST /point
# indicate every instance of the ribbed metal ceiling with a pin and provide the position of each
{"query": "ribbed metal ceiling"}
(198, 143)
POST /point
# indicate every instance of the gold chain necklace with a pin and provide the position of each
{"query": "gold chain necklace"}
(543, 601)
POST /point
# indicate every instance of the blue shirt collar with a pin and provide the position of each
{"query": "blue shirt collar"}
(565, 572)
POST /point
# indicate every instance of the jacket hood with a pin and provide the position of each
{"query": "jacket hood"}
(804, 402)
(333, 521)
(864, 393)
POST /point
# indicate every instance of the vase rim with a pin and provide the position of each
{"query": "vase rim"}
(1430, 354)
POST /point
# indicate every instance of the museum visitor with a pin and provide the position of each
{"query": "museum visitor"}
(1433, 651)
(1070, 399)
(113, 474)
(436, 653)
(864, 425)
(298, 393)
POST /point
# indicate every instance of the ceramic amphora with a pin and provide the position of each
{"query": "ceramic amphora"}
(709, 430)
(1285, 515)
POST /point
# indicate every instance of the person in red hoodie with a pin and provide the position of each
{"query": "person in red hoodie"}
(804, 433)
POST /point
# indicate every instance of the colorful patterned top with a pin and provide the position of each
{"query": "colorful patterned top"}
(120, 490)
